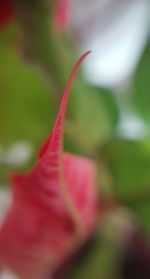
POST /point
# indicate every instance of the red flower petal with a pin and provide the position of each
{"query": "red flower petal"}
(54, 207)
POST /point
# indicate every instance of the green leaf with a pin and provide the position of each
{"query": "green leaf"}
(140, 93)
(95, 112)
(26, 109)
(129, 162)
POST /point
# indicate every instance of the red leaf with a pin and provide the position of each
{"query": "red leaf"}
(54, 207)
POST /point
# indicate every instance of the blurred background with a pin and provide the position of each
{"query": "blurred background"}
(108, 115)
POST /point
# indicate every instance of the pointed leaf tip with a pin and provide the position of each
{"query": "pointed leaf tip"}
(64, 100)
(57, 133)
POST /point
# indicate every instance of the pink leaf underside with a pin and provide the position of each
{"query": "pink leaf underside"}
(48, 205)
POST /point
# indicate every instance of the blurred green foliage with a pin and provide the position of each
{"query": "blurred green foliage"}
(140, 91)
(129, 162)
(25, 106)
(95, 113)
